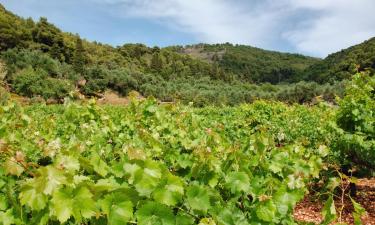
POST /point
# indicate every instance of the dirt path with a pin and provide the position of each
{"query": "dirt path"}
(309, 210)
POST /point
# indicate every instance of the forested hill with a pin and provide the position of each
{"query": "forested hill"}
(38, 59)
(343, 64)
(240, 62)
(253, 64)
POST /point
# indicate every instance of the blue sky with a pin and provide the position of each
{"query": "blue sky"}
(311, 27)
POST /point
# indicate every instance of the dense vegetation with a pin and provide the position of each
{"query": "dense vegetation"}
(147, 163)
(253, 64)
(154, 163)
(42, 61)
(356, 118)
(342, 65)
(150, 164)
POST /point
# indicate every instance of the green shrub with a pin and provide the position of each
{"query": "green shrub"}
(356, 118)
(31, 83)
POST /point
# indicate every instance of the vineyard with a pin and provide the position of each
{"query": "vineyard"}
(151, 163)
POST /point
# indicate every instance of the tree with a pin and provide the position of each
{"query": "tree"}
(156, 62)
(79, 58)
(58, 49)
(45, 34)
(12, 31)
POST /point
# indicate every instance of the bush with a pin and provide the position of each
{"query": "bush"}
(97, 80)
(17, 60)
(32, 83)
(356, 119)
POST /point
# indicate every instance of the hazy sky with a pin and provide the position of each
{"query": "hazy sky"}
(312, 27)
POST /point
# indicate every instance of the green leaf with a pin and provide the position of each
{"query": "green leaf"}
(231, 216)
(7, 218)
(33, 198)
(358, 212)
(84, 204)
(118, 211)
(329, 211)
(52, 178)
(131, 169)
(153, 213)
(62, 205)
(99, 165)
(171, 193)
(184, 219)
(286, 200)
(295, 182)
(68, 202)
(146, 180)
(109, 184)
(3, 202)
(238, 182)
(207, 221)
(69, 163)
(198, 198)
(48, 179)
(12, 167)
(266, 210)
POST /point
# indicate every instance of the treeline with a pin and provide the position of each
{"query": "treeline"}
(253, 64)
(342, 65)
(42, 61)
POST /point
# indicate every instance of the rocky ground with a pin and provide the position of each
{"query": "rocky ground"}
(309, 210)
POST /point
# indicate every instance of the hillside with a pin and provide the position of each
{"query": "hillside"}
(40, 60)
(342, 65)
(253, 64)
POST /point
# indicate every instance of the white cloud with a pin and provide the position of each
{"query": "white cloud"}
(339, 24)
(316, 27)
(213, 21)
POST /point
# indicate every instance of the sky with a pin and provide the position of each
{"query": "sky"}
(310, 27)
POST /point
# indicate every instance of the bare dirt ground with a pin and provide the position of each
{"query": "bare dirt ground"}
(112, 98)
(309, 209)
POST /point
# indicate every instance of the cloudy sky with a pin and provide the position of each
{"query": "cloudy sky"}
(311, 27)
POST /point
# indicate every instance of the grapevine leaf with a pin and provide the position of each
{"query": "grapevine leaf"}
(68, 202)
(329, 211)
(35, 199)
(48, 180)
(147, 180)
(285, 200)
(231, 216)
(99, 165)
(84, 205)
(67, 162)
(171, 193)
(238, 182)
(266, 210)
(154, 213)
(118, 211)
(207, 221)
(109, 184)
(12, 167)
(358, 212)
(184, 219)
(62, 205)
(198, 198)
(7, 217)
(3, 203)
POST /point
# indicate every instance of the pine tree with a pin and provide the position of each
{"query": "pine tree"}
(156, 62)
(79, 59)
(58, 48)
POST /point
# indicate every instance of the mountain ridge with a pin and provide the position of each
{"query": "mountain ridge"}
(42, 60)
